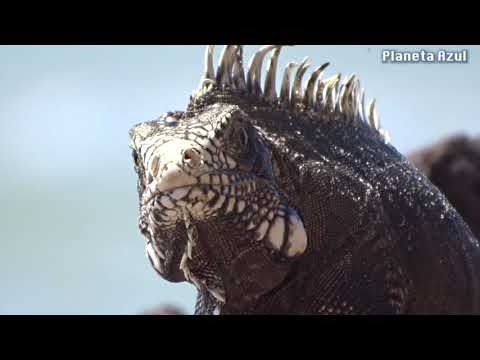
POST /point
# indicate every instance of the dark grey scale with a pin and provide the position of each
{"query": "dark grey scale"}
(221, 181)
(242, 176)
(216, 163)
(214, 200)
(247, 214)
(164, 217)
(239, 190)
(261, 196)
(158, 216)
(205, 303)
(223, 208)
(263, 202)
(210, 180)
(205, 188)
(238, 222)
(331, 283)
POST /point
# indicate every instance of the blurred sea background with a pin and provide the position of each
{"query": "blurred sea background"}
(68, 215)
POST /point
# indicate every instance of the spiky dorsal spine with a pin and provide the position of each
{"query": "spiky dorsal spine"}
(331, 94)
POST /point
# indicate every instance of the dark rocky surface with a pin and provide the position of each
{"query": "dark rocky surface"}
(453, 165)
(164, 309)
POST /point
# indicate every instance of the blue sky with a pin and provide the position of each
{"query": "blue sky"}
(69, 238)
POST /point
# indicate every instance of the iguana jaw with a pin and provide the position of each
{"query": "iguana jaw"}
(163, 213)
(253, 209)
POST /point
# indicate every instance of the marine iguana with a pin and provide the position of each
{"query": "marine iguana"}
(296, 203)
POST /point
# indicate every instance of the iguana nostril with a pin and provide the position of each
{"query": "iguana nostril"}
(191, 157)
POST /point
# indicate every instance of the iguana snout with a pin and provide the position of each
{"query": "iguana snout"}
(175, 164)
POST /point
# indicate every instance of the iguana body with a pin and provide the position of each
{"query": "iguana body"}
(296, 204)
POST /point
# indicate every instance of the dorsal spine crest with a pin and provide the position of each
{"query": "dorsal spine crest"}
(329, 95)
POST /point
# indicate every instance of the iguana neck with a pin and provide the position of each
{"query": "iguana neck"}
(246, 268)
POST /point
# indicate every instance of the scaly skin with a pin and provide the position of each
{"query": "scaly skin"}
(296, 204)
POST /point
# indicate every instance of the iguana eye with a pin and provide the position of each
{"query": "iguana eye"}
(237, 137)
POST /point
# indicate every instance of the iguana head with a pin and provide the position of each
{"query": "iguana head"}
(214, 202)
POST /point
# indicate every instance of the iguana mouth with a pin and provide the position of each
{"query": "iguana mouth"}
(213, 194)
(209, 192)
(176, 265)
